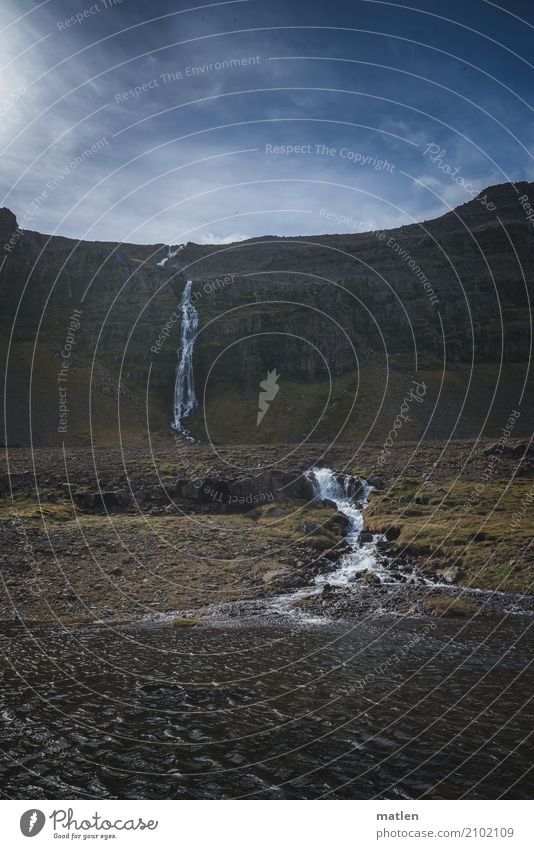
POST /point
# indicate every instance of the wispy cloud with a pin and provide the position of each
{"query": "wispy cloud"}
(188, 104)
(210, 238)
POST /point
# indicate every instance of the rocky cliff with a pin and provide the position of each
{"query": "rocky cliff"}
(350, 324)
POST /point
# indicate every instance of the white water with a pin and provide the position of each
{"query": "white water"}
(185, 400)
(362, 556)
(170, 255)
(350, 500)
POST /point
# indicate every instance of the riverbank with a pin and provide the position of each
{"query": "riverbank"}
(103, 536)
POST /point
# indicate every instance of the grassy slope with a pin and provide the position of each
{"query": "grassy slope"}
(479, 543)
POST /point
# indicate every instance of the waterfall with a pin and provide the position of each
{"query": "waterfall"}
(337, 489)
(170, 255)
(361, 557)
(184, 389)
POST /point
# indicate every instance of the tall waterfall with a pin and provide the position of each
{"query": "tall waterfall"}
(185, 399)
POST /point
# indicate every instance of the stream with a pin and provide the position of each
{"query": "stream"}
(266, 702)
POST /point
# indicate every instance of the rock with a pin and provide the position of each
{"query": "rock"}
(422, 499)
(339, 523)
(378, 482)
(327, 502)
(442, 605)
(371, 578)
(522, 448)
(450, 574)
(365, 536)
(242, 494)
(185, 622)
(397, 576)
(274, 512)
(310, 528)
(306, 601)
(275, 575)
(111, 501)
(355, 486)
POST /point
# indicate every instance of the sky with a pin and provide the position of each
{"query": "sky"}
(174, 122)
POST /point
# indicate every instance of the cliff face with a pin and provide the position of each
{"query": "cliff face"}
(348, 323)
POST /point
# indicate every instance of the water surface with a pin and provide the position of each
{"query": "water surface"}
(391, 708)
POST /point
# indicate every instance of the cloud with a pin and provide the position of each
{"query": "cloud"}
(213, 239)
(186, 160)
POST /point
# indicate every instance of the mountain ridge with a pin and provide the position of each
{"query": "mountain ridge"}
(361, 302)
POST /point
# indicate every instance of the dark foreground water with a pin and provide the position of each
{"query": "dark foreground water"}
(391, 709)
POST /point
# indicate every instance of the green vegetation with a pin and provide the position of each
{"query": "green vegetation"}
(477, 546)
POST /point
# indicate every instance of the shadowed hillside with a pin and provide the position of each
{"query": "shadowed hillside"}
(349, 323)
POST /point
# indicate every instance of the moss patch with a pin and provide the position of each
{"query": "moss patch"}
(460, 528)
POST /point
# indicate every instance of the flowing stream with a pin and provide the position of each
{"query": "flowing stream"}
(340, 490)
(363, 560)
(350, 495)
(185, 400)
(271, 707)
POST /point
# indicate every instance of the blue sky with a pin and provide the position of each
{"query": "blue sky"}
(160, 122)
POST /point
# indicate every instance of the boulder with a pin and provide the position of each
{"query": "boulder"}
(112, 501)
(450, 574)
(365, 536)
(327, 502)
(378, 482)
(339, 523)
(310, 528)
(371, 578)
(246, 493)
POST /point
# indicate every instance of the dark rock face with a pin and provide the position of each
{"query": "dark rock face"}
(316, 309)
(240, 494)
(9, 232)
(110, 502)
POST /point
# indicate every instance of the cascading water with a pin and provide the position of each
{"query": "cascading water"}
(184, 390)
(170, 255)
(362, 556)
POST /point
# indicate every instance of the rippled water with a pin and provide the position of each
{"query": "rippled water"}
(396, 708)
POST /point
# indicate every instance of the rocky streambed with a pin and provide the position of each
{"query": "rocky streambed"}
(97, 536)
(160, 642)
